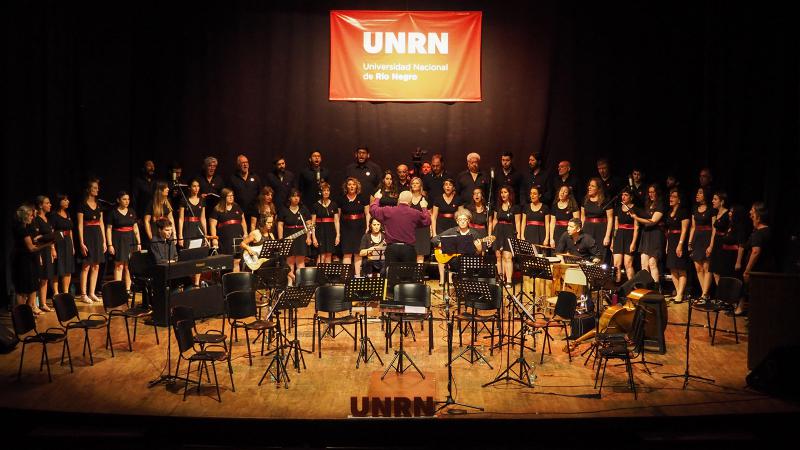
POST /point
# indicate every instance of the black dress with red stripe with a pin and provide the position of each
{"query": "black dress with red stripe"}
(595, 223)
(506, 227)
(92, 234)
(292, 223)
(702, 233)
(122, 235)
(352, 222)
(227, 232)
(726, 247)
(192, 213)
(480, 221)
(673, 224)
(65, 249)
(563, 216)
(623, 236)
(446, 217)
(422, 235)
(535, 233)
(324, 228)
(47, 270)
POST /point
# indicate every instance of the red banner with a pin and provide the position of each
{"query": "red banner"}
(406, 56)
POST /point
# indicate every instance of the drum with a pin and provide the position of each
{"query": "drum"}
(566, 277)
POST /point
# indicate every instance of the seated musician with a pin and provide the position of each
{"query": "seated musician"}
(260, 234)
(463, 219)
(576, 243)
(163, 246)
(372, 249)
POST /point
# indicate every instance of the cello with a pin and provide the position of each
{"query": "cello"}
(618, 319)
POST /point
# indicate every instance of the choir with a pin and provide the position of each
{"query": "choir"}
(622, 219)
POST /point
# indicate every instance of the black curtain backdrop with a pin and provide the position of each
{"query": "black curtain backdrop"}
(97, 88)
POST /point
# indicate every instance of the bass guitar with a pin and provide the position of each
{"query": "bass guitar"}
(444, 258)
(254, 262)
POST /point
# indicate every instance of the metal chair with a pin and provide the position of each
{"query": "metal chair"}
(410, 294)
(184, 334)
(115, 296)
(236, 281)
(563, 312)
(239, 306)
(472, 311)
(24, 323)
(624, 347)
(729, 292)
(141, 279)
(329, 300)
(70, 319)
(306, 276)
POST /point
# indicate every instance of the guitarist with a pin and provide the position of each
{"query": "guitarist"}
(462, 228)
(260, 234)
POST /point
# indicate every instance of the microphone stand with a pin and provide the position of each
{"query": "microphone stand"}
(169, 378)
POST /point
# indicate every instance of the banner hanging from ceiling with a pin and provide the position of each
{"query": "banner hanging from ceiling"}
(406, 56)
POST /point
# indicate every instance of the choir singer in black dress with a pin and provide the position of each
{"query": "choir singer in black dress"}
(122, 232)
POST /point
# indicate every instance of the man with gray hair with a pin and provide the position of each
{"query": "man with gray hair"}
(400, 224)
(211, 183)
(470, 179)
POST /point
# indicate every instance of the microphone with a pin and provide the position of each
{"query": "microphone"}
(318, 180)
(630, 182)
(211, 194)
(491, 172)
(180, 184)
(105, 202)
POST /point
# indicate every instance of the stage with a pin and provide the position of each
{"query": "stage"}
(115, 390)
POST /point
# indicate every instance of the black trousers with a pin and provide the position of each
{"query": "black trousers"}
(400, 253)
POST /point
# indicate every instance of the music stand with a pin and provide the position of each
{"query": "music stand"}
(404, 272)
(290, 299)
(472, 267)
(400, 354)
(536, 267)
(598, 276)
(364, 290)
(520, 247)
(334, 273)
(522, 375)
(472, 292)
(686, 375)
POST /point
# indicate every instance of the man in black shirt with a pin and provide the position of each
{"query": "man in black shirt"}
(311, 177)
(143, 187)
(566, 177)
(403, 181)
(162, 247)
(210, 182)
(638, 186)
(365, 171)
(435, 179)
(611, 184)
(509, 176)
(245, 186)
(538, 177)
(472, 178)
(579, 244)
(281, 181)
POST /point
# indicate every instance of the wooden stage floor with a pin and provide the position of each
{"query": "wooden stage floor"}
(562, 390)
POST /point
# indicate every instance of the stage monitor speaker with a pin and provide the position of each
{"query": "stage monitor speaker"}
(776, 375)
(641, 280)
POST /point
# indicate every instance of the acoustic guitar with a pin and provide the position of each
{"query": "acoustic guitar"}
(444, 258)
(255, 262)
